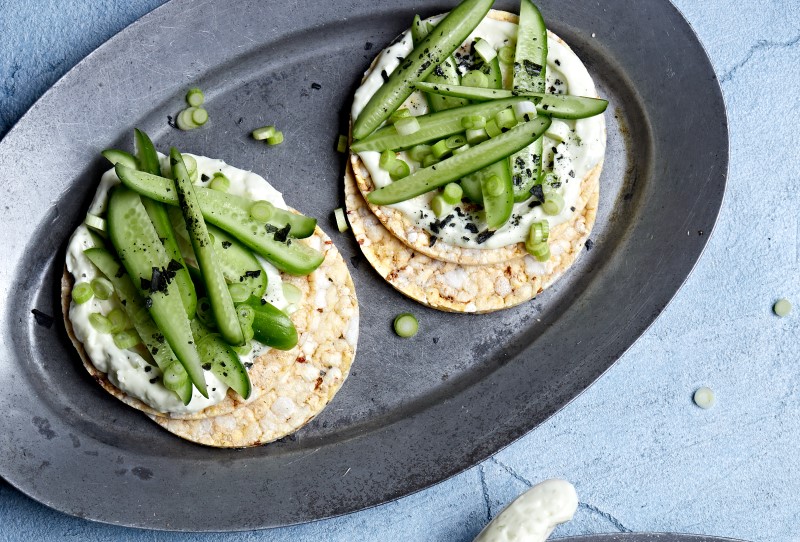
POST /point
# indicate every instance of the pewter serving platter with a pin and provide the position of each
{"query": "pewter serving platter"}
(413, 412)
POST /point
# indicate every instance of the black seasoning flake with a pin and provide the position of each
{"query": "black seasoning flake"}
(226, 244)
(205, 177)
(159, 338)
(154, 350)
(145, 284)
(253, 274)
(434, 226)
(589, 244)
(263, 301)
(571, 174)
(459, 212)
(154, 380)
(174, 265)
(446, 219)
(147, 369)
(368, 46)
(520, 163)
(384, 75)
(534, 203)
(355, 261)
(270, 228)
(438, 71)
(248, 365)
(316, 86)
(532, 68)
(537, 192)
(283, 234)
(465, 238)
(558, 62)
(483, 236)
(470, 227)
(206, 366)
(43, 319)
(556, 184)
(572, 208)
(120, 273)
(148, 302)
(124, 302)
(432, 240)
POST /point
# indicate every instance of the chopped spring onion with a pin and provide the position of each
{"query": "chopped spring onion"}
(477, 135)
(539, 232)
(540, 251)
(453, 193)
(461, 149)
(341, 144)
(184, 120)
(525, 111)
(82, 293)
(506, 54)
(407, 126)
(102, 288)
(126, 339)
(406, 325)
(341, 222)
(456, 141)
(440, 206)
(276, 139)
(204, 313)
(440, 149)
(704, 397)
(419, 152)
(505, 119)
(195, 97)
(100, 322)
(243, 350)
(246, 314)
(429, 160)
(292, 293)
(239, 292)
(387, 160)
(119, 320)
(553, 203)
(190, 162)
(484, 50)
(475, 78)
(219, 182)
(492, 129)
(782, 307)
(262, 210)
(94, 222)
(558, 130)
(493, 186)
(265, 132)
(473, 122)
(401, 113)
(175, 376)
(199, 116)
(399, 170)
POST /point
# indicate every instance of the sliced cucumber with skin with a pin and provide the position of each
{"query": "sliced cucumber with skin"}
(116, 156)
(530, 75)
(133, 305)
(238, 264)
(219, 358)
(291, 256)
(160, 189)
(446, 72)
(136, 241)
(146, 153)
(162, 224)
(471, 184)
(272, 326)
(216, 287)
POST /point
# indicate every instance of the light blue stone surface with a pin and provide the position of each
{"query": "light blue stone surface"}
(642, 456)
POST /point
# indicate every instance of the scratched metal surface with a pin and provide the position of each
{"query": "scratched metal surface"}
(487, 380)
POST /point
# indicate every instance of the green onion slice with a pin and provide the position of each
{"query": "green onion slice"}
(475, 78)
(440, 149)
(505, 119)
(200, 116)
(506, 54)
(82, 293)
(265, 132)
(276, 139)
(341, 222)
(484, 50)
(262, 210)
(553, 203)
(126, 339)
(341, 144)
(407, 126)
(399, 170)
(401, 113)
(100, 322)
(195, 97)
(175, 376)
(406, 325)
(477, 135)
(473, 122)
(419, 152)
(453, 193)
(219, 183)
(102, 288)
(239, 292)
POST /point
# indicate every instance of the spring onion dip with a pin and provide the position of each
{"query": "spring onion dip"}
(571, 148)
(126, 368)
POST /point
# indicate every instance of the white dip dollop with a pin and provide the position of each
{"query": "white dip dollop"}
(572, 159)
(532, 516)
(126, 369)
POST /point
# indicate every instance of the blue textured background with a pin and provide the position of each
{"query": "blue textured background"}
(641, 455)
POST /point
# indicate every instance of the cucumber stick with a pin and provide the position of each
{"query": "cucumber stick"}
(272, 326)
(136, 241)
(133, 304)
(498, 200)
(291, 256)
(219, 358)
(530, 67)
(449, 34)
(161, 222)
(238, 264)
(116, 156)
(146, 152)
(216, 287)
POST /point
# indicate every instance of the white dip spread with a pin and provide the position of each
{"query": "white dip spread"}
(532, 516)
(126, 369)
(572, 159)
